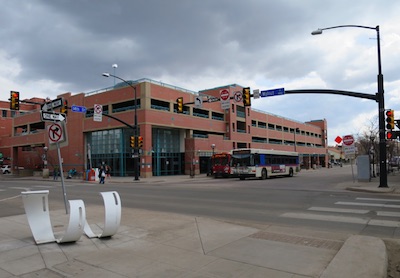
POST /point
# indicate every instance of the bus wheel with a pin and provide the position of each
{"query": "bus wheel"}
(263, 174)
(291, 172)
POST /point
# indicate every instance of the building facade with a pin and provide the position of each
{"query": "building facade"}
(173, 144)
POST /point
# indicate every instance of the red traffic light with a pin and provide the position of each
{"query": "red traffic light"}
(389, 135)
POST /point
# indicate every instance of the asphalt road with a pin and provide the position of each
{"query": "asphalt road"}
(312, 199)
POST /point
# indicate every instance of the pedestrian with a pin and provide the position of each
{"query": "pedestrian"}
(108, 171)
(55, 173)
(102, 175)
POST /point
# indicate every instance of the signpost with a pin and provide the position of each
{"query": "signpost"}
(98, 113)
(198, 102)
(53, 105)
(272, 92)
(225, 98)
(79, 109)
(52, 117)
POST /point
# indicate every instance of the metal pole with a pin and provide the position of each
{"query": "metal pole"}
(135, 150)
(381, 105)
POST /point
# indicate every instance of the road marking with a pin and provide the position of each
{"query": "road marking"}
(10, 198)
(367, 204)
(388, 213)
(20, 188)
(311, 216)
(358, 211)
(343, 219)
(386, 223)
(380, 200)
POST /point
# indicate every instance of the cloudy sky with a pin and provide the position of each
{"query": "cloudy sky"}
(52, 47)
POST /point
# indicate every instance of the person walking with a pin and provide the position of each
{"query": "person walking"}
(102, 175)
(55, 173)
(108, 171)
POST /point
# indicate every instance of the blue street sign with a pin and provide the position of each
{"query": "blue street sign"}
(80, 109)
(273, 92)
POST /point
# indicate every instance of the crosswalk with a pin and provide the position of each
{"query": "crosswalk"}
(365, 211)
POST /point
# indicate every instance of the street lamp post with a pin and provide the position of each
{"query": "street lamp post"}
(379, 98)
(135, 149)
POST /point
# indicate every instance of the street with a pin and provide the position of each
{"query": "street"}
(314, 199)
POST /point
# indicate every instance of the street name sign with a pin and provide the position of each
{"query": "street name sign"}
(273, 92)
(52, 117)
(52, 105)
(80, 109)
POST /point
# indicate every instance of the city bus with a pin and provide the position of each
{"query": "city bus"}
(260, 163)
(221, 165)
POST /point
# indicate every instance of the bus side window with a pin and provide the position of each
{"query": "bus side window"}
(256, 159)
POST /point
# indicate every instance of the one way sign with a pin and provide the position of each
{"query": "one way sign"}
(52, 117)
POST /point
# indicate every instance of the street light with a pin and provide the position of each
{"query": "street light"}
(379, 98)
(135, 149)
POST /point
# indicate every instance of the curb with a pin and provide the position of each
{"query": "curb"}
(360, 256)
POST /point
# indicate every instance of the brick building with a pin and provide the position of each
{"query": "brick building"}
(172, 141)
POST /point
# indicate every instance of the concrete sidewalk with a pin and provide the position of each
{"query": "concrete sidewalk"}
(154, 244)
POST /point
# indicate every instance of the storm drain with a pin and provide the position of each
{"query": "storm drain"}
(305, 241)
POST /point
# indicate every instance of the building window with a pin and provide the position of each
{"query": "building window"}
(125, 106)
(262, 125)
(4, 113)
(159, 105)
(200, 113)
(217, 116)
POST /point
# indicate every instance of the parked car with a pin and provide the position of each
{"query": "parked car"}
(6, 169)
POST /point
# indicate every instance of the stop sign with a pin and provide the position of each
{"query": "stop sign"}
(348, 140)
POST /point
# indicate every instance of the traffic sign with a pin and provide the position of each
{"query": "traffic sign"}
(238, 96)
(256, 93)
(273, 92)
(348, 140)
(55, 133)
(224, 94)
(52, 117)
(98, 113)
(53, 104)
(80, 109)
(225, 98)
(198, 102)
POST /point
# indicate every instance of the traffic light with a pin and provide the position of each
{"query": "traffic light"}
(179, 105)
(390, 119)
(392, 135)
(132, 141)
(246, 96)
(14, 100)
(64, 108)
(140, 142)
